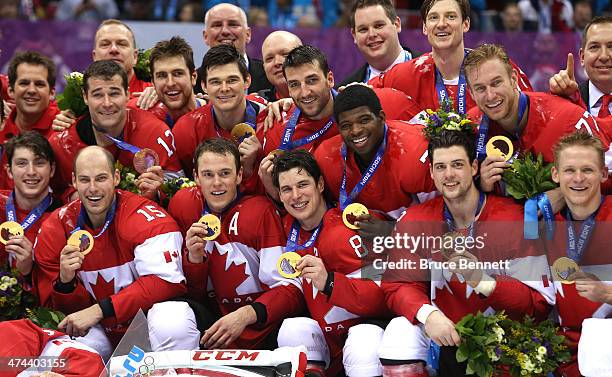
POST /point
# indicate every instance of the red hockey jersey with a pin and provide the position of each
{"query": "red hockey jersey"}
(141, 129)
(241, 261)
(26, 342)
(417, 78)
(354, 297)
(522, 286)
(402, 174)
(137, 85)
(136, 261)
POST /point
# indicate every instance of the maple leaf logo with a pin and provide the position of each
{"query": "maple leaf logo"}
(102, 288)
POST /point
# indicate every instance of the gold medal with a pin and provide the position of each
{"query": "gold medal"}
(351, 213)
(500, 146)
(563, 269)
(242, 131)
(83, 240)
(287, 263)
(277, 153)
(447, 248)
(144, 159)
(9, 229)
(213, 224)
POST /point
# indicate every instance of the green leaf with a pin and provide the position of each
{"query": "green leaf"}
(462, 353)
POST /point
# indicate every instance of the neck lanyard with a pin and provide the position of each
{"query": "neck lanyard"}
(374, 164)
(294, 236)
(206, 210)
(483, 128)
(461, 88)
(450, 221)
(33, 216)
(287, 144)
(575, 248)
(250, 117)
(110, 215)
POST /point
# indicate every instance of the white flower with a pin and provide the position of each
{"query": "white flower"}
(3, 287)
(129, 177)
(499, 332)
(5, 279)
(542, 350)
(13, 281)
(491, 354)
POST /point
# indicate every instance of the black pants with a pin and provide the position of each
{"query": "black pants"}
(449, 366)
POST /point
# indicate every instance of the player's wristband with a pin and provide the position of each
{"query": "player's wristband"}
(108, 310)
(65, 288)
(260, 312)
(329, 284)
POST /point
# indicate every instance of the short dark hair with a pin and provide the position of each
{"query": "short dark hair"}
(595, 21)
(217, 145)
(32, 140)
(360, 4)
(223, 54)
(176, 46)
(354, 96)
(33, 58)
(300, 159)
(105, 70)
(451, 138)
(305, 54)
(464, 6)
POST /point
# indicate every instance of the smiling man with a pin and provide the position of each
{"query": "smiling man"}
(133, 262)
(31, 165)
(274, 50)
(533, 121)
(438, 74)
(227, 24)
(375, 28)
(251, 296)
(120, 130)
(226, 78)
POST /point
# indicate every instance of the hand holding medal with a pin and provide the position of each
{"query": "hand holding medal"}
(500, 146)
(242, 131)
(564, 270)
(145, 159)
(10, 229)
(352, 213)
(83, 240)
(287, 265)
(212, 225)
(79, 244)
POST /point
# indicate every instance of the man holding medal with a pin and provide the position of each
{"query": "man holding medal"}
(233, 241)
(329, 265)
(438, 75)
(453, 292)
(109, 254)
(31, 165)
(135, 137)
(383, 163)
(526, 121)
(578, 254)
(229, 114)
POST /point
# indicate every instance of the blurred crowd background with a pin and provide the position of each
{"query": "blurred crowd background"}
(487, 15)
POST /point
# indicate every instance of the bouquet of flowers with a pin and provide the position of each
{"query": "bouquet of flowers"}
(128, 178)
(171, 187)
(526, 349)
(527, 177)
(13, 299)
(142, 68)
(44, 317)
(72, 97)
(445, 118)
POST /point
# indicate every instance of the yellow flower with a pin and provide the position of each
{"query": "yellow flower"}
(429, 111)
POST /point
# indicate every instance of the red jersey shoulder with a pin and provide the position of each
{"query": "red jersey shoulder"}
(396, 104)
(329, 148)
(431, 210)
(500, 208)
(139, 218)
(605, 212)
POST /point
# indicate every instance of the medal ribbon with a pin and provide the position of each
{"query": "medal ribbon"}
(483, 128)
(374, 164)
(530, 226)
(33, 216)
(109, 218)
(206, 210)
(575, 249)
(461, 88)
(450, 222)
(287, 144)
(250, 117)
(122, 144)
(292, 241)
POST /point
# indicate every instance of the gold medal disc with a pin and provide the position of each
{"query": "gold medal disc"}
(214, 226)
(242, 131)
(351, 213)
(9, 229)
(563, 269)
(287, 263)
(144, 159)
(83, 240)
(277, 153)
(500, 146)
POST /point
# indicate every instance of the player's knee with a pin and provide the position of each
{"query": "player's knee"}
(172, 326)
(307, 332)
(403, 340)
(360, 357)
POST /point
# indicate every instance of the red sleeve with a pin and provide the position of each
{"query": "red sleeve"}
(406, 299)
(282, 302)
(47, 248)
(143, 294)
(518, 299)
(197, 278)
(397, 77)
(371, 297)
(397, 105)
(80, 363)
(186, 141)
